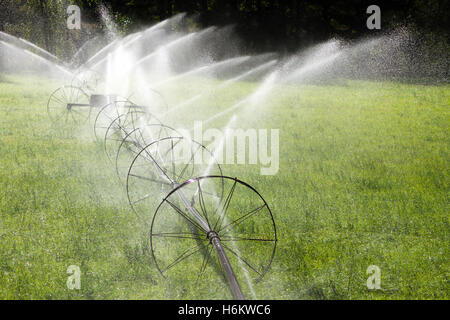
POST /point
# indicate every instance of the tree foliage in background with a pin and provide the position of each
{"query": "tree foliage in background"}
(44, 22)
(264, 25)
(290, 24)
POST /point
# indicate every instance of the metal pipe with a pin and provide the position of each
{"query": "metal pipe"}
(70, 105)
(215, 241)
(212, 236)
(231, 277)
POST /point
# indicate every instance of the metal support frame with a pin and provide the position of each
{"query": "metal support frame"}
(215, 240)
(97, 100)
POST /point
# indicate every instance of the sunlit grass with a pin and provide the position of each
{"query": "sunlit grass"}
(363, 180)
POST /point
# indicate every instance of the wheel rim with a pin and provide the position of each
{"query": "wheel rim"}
(242, 220)
(60, 109)
(159, 166)
(118, 129)
(108, 113)
(135, 141)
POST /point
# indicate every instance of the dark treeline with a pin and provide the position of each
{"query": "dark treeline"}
(263, 25)
(291, 24)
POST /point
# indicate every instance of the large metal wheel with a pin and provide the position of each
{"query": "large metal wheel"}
(162, 165)
(68, 104)
(109, 113)
(87, 79)
(118, 129)
(241, 219)
(135, 141)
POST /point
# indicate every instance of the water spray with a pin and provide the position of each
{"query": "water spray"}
(199, 205)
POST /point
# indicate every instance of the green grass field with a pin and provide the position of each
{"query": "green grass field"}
(363, 180)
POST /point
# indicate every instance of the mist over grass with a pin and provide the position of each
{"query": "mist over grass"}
(363, 180)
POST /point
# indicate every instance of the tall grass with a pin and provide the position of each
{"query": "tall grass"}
(363, 180)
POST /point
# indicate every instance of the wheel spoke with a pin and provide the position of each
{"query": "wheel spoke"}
(226, 205)
(53, 97)
(242, 259)
(181, 235)
(205, 261)
(242, 218)
(186, 254)
(180, 212)
(149, 179)
(202, 202)
(224, 238)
